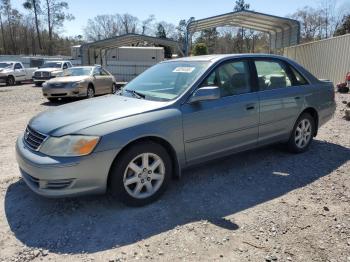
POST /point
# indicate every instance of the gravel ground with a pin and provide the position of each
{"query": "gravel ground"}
(262, 205)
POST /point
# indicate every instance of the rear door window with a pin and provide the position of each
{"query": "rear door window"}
(272, 75)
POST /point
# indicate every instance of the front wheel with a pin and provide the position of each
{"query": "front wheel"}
(302, 134)
(141, 174)
(10, 81)
(90, 92)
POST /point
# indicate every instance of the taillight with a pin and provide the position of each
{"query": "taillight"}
(348, 77)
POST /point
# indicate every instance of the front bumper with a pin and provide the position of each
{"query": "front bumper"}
(64, 92)
(3, 79)
(41, 79)
(64, 177)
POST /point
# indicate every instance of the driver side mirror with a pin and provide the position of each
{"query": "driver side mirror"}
(205, 93)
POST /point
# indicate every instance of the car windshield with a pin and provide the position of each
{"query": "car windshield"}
(52, 65)
(79, 71)
(165, 81)
(5, 65)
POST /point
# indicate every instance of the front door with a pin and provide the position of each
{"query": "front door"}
(19, 72)
(226, 124)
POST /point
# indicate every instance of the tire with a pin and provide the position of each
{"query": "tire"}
(10, 81)
(38, 84)
(114, 89)
(150, 184)
(53, 99)
(302, 134)
(90, 93)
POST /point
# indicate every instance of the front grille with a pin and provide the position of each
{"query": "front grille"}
(42, 75)
(45, 74)
(33, 139)
(37, 74)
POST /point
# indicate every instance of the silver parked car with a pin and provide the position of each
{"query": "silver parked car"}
(83, 81)
(178, 113)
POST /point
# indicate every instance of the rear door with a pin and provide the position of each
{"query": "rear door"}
(108, 81)
(227, 124)
(99, 81)
(281, 100)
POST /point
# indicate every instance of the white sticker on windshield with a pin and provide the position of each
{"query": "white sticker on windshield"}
(187, 70)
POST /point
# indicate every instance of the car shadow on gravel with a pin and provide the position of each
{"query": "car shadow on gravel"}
(209, 192)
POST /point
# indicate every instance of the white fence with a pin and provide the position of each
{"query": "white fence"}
(326, 59)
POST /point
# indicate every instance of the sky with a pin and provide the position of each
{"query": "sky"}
(172, 11)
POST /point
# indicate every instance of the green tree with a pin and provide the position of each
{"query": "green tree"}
(160, 33)
(241, 5)
(55, 16)
(344, 28)
(34, 5)
(200, 49)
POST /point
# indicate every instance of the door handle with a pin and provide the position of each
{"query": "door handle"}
(250, 107)
(297, 98)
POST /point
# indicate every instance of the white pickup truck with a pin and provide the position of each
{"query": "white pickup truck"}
(12, 72)
(50, 69)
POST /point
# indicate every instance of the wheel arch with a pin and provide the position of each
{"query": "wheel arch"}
(156, 139)
(313, 112)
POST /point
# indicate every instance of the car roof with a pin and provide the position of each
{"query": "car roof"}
(10, 62)
(56, 61)
(216, 58)
(84, 67)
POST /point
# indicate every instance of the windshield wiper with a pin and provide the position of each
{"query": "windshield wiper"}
(136, 94)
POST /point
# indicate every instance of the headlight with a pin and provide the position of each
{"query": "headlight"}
(68, 146)
(76, 84)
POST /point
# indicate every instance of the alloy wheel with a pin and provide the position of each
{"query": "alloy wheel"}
(303, 133)
(144, 175)
(90, 92)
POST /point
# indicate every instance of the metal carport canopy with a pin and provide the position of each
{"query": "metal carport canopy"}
(283, 31)
(123, 40)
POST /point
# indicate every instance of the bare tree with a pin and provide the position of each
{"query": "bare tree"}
(147, 24)
(102, 27)
(129, 23)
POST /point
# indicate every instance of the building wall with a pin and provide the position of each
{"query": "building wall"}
(326, 59)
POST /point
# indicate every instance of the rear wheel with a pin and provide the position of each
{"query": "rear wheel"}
(90, 92)
(141, 174)
(10, 81)
(302, 135)
(38, 84)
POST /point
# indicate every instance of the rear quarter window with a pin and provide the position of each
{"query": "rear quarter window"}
(299, 80)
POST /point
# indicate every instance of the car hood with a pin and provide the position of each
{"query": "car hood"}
(73, 117)
(67, 79)
(6, 70)
(48, 69)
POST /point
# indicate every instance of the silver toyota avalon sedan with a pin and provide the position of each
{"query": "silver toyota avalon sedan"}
(176, 114)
